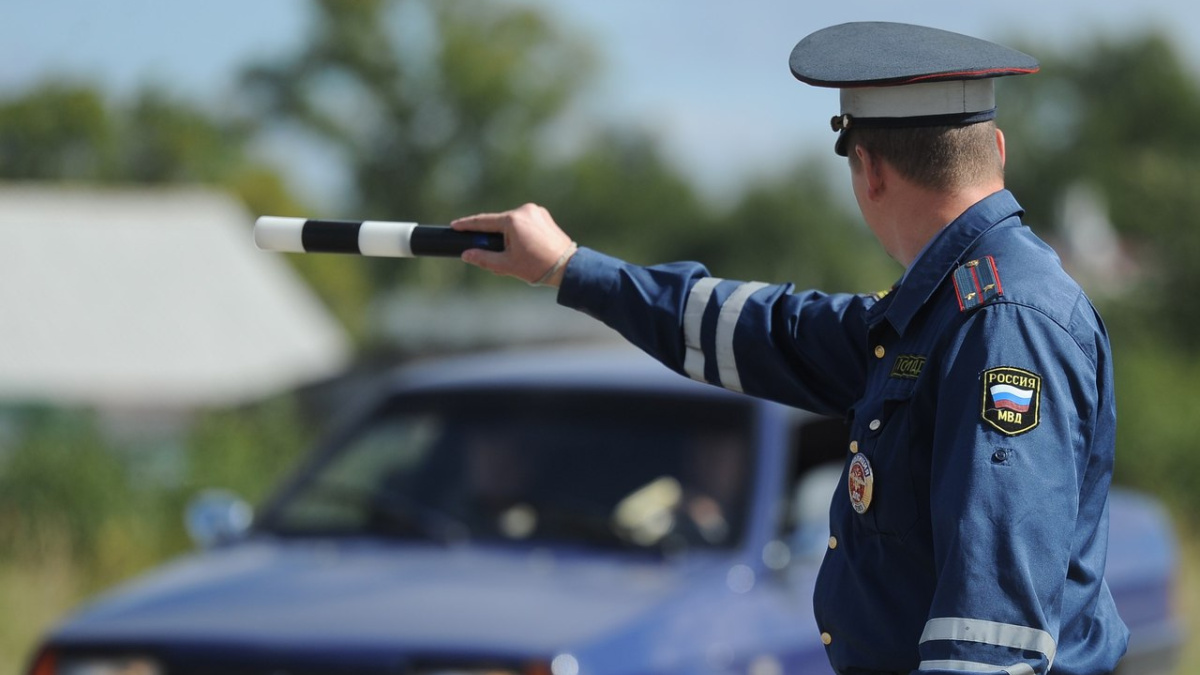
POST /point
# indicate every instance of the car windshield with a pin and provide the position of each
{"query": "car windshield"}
(611, 469)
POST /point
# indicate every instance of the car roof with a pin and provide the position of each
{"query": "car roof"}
(607, 367)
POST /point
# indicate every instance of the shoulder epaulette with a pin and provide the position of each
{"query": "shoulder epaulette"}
(977, 283)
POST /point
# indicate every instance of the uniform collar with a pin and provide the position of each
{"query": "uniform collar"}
(941, 255)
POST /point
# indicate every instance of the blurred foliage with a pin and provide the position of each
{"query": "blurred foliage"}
(1157, 446)
(57, 132)
(1123, 117)
(442, 108)
(65, 131)
(622, 197)
(67, 483)
(798, 228)
(83, 507)
(435, 106)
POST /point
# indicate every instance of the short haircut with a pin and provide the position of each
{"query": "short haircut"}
(938, 158)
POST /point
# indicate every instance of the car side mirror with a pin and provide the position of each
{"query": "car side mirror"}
(216, 517)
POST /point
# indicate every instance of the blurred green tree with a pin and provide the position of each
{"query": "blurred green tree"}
(814, 238)
(57, 131)
(436, 106)
(620, 195)
(64, 131)
(1123, 117)
(441, 108)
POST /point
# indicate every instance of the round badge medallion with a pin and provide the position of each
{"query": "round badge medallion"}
(861, 482)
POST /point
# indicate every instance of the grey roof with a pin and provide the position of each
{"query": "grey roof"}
(417, 320)
(151, 298)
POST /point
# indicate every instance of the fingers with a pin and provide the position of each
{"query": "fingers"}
(484, 222)
(488, 260)
(533, 242)
(499, 222)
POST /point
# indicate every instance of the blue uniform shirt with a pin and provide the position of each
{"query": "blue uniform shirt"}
(969, 531)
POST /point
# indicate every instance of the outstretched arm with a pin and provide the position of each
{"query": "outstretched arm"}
(805, 349)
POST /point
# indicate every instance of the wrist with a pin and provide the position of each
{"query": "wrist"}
(554, 275)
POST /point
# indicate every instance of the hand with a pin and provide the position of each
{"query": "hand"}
(533, 244)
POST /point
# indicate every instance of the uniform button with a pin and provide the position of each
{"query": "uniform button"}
(879, 351)
(874, 425)
(833, 542)
(853, 446)
(826, 638)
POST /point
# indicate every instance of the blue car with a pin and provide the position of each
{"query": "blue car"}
(566, 513)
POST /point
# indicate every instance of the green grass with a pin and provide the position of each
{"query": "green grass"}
(33, 597)
(1188, 605)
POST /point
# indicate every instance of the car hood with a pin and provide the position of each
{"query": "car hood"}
(309, 594)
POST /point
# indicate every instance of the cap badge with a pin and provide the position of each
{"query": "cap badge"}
(862, 483)
(1011, 399)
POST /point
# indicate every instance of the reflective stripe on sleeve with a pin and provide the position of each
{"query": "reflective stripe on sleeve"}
(992, 633)
(693, 317)
(972, 667)
(731, 312)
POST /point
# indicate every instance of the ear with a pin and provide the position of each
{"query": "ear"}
(872, 170)
(1000, 145)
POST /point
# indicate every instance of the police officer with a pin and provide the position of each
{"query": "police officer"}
(969, 530)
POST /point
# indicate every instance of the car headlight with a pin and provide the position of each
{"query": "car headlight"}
(50, 663)
(131, 665)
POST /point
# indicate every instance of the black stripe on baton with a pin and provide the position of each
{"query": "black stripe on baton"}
(330, 236)
(429, 240)
(341, 236)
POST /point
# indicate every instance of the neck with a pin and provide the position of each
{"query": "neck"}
(920, 214)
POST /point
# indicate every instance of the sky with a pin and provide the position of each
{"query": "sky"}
(709, 77)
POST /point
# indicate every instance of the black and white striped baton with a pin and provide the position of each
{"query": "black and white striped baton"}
(368, 237)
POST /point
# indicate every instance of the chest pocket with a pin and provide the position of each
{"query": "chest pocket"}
(888, 446)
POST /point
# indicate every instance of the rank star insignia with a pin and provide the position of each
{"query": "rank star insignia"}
(1011, 399)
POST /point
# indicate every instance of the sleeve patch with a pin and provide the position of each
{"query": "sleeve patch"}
(1011, 399)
